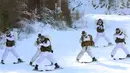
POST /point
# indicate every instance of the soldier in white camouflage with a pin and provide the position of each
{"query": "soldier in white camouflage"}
(10, 47)
(86, 42)
(120, 41)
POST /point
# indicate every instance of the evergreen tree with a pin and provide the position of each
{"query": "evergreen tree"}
(102, 3)
(111, 4)
(122, 4)
(128, 4)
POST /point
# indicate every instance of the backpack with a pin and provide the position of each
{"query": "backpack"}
(100, 30)
(10, 43)
(49, 48)
(88, 43)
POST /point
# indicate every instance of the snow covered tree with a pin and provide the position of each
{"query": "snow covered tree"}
(102, 3)
(93, 3)
(122, 4)
(111, 5)
(128, 4)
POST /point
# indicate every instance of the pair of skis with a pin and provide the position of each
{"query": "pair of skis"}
(84, 62)
(39, 70)
(48, 69)
(103, 46)
(87, 62)
(45, 65)
(16, 62)
(120, 58)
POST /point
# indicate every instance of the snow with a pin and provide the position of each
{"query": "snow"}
(86, 7)
(66, 47)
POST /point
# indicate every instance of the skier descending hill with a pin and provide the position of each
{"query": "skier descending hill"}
(86, 42)
(100, 32)
(10, 47)
(120, 41)
(46, 53)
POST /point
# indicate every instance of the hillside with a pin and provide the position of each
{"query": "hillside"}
(121, 7)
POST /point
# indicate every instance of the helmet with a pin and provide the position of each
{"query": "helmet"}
(117, 29)
(99, 19)
(39, 35)
(83, 32)
(100, 22)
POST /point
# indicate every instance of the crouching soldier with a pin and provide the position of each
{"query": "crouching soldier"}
(37, 54)
(10, 47)
(86, 42)
(46, 53)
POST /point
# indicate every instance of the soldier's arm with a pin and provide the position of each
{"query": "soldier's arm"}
(47, 44)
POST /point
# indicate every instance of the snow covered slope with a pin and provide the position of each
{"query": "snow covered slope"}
(66, 47)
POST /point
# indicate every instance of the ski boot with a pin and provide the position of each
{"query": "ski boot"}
(56, 66)
(94, 59)
(31, 63)
(19, 60)
(77, 60)
(112, 56)
(128, 56)
(2, 62)
(36, 67)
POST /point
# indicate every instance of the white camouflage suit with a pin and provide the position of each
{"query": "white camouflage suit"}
(38, 52)
(10, 49)
(85, 49)
(101, 34)
(119, 44)
(36, 55)
(45, 55)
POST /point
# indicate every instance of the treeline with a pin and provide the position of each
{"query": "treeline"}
(111, 4)
(13, 11)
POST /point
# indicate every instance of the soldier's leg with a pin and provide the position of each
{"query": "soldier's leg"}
(90, 54)
(51, 59)
(16, 55)
(5, 54)
(36, 55)
(97, 37)
(125, 50)
(115, 50)
(14, 52)
(81, 53)
(42, 56)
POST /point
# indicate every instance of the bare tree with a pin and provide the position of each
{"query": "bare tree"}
(9, 12)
